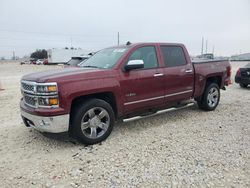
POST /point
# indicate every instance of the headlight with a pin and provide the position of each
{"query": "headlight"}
(46, 88)
(48, 94)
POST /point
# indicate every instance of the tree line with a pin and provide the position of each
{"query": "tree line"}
(39, 54)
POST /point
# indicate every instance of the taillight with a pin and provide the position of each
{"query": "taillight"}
(229, 71)
(238, 72)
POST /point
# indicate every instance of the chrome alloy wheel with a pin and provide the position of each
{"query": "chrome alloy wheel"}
(95, 122)
(213, 97)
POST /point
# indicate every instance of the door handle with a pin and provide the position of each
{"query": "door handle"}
(158, 74)
(189, 71)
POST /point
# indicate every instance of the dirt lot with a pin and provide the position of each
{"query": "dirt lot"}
(182, 148)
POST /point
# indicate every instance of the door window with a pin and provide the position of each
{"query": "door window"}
(173, 56)
(147, 54)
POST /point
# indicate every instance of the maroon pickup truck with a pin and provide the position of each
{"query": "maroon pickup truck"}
(117, 83)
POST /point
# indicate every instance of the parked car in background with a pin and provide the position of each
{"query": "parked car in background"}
(45, 62)
(39, 62)
(242, 76)
(24, 62)
(33, 61)
(74, 61)
(206, 56)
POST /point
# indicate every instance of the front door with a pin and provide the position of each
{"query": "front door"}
(143, 88)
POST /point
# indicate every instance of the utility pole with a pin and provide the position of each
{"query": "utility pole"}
(118, 38)
(206, 45)
(14, 55)
(213, 49)
(202, 42)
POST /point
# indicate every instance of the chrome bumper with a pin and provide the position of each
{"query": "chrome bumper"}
(53, 124)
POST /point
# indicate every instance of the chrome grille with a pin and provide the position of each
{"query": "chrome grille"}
(30, 100)
(28, 87)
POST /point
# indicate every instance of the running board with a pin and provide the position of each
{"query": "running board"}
(159, 112)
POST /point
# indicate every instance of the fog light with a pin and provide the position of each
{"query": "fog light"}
(53, 101)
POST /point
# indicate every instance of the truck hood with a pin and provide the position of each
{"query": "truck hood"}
(64, 74)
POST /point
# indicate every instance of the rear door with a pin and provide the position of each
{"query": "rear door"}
(178, 73)
(143, 88)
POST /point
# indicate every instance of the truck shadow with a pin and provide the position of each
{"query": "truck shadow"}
(60, 137)
(137, 124)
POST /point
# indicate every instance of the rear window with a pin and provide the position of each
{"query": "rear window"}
(173, 56)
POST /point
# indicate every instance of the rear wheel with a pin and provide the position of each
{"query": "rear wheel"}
(210, 98)
(243, 85)
(92, 121)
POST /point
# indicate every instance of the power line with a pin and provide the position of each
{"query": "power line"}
(58, 40)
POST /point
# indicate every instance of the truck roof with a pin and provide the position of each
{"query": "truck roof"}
(146, 43)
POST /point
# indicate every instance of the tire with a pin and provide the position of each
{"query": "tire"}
(210, 98)
(92, 121)
(243, 85)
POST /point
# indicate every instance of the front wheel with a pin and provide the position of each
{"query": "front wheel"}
(210, 98)
(92, 121)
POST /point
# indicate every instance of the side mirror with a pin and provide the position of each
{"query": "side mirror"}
(134, 64)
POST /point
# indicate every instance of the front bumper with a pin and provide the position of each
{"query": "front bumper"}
(52, 124)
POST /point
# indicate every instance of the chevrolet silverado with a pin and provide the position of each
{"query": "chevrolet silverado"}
(117, 83)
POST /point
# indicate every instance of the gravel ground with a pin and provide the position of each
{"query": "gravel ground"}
(183, 148)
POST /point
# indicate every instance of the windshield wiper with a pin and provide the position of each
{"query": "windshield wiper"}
(91, 66)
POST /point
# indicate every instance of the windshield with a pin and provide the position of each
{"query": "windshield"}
(104, 59)
(81, 63)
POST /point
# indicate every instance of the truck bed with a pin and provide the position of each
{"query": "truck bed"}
(210, 68)
(208, 60)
